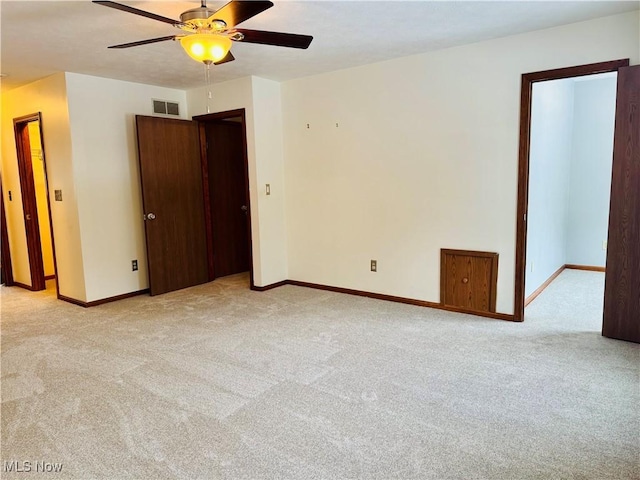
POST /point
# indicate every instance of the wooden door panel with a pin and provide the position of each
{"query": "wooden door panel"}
(171, 176)
(621, 317)
(227, 191)
(468, 279)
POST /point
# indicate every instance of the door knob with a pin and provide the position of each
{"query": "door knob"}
(244, 208)
(150, 216)
(28, 217)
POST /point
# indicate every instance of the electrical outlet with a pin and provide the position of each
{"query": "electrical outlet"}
(374, 265)
(268, 189)
(604, 245)
(134, 265)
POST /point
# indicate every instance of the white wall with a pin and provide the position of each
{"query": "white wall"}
(261, 100)
(425, 157)
(549, 179)
(49, 97)
(107, 178)
(267, 116)
(588, 202)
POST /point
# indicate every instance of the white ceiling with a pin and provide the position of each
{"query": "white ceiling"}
(42, 38)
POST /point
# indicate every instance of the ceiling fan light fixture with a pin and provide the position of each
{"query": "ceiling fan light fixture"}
(206, 47)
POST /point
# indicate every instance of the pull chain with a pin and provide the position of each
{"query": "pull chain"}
(207, 77)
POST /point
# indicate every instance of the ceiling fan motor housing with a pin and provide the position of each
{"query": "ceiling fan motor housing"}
(199, 18)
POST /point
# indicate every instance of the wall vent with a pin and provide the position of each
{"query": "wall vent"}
(164, 107)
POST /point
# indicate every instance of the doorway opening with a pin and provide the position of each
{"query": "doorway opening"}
(570, 161)
(544, 202)
(36, 208)
(226, 193)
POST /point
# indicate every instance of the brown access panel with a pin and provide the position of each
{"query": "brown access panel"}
(468, 279)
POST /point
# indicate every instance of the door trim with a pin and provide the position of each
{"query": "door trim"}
(202, 120)
(528, 79)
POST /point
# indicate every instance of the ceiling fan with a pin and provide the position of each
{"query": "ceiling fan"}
(209, 33)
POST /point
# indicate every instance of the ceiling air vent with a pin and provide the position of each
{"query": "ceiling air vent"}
(164, 107)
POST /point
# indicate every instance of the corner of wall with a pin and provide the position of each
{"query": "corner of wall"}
(269, 150)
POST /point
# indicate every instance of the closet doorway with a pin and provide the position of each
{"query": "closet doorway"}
(226, 192)
(34, 194)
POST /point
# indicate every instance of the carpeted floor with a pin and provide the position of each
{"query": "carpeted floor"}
(217, 381)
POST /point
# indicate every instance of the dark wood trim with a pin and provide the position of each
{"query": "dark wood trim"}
(270, 287)
(102, 301)
(215, 117)
(392, 298)
(577, 71)
(32, 117)
(117, 297)
(589, 268)
(496, 315)
(523, 197)
(546, 283)
(5, 259)
(206, 195)
(238, 112)
(80, 303)
(24, 285)
(528, 79)
(49, 277)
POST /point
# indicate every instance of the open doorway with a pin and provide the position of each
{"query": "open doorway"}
(35, 205)
(195, 191)
(226, 193)
(570, 161)
(622, 98)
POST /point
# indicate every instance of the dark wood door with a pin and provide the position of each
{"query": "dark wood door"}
(468, 279)
(171, 175)
(227, 193)
(29, 203)
(621, 317)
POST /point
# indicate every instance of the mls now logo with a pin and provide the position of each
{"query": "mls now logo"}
(27, 466)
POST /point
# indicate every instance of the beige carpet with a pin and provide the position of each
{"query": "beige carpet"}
(220, 382)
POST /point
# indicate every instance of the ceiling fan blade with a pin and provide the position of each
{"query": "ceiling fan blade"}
(275, 38)
(136, 11)
(237, 11)
(144, 42)
(228, 58)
